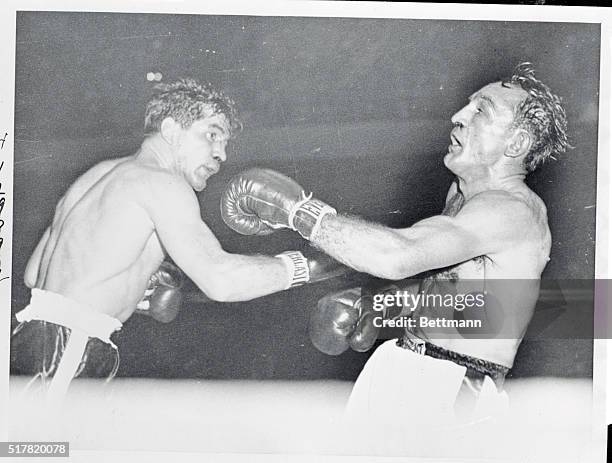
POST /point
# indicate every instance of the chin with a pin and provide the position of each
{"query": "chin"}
(459, 160)
(198, 185)
(450, 160)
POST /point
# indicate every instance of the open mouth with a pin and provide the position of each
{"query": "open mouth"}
(454, 140)
(205, 171)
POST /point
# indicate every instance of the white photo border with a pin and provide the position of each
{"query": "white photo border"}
(602, 16)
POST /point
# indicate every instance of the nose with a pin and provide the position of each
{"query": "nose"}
(460, 118)
(219, 154)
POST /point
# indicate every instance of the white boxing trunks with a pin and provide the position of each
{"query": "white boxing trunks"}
(403, 385)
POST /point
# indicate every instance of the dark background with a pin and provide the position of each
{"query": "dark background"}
(357, 110)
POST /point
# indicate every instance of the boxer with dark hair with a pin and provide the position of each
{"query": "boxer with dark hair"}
(493, 228)
(117, 223)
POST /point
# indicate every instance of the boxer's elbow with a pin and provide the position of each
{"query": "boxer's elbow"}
(393, 265)
(220, 285)
(218, 296)
(229, 292)
(391, 271)
(209, 280)
(217, 290)
(391, 274)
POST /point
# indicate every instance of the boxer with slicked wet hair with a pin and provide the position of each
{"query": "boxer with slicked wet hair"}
(118, 226)
(493, 229)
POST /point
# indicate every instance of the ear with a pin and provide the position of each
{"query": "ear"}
(169, 130)
(519, 144)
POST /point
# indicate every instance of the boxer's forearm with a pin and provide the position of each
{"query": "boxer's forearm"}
(369, 247)
(242, 278)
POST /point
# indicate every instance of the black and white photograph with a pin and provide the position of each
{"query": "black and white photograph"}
(327, 234)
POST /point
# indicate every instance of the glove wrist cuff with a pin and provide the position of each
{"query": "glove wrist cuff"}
(297, 268)
(307, 214)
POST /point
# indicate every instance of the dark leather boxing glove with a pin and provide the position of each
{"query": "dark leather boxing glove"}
(346, 319)
(163, 297)
(258, 201)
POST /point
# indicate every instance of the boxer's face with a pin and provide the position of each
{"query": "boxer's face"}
(201, 150)
(483, 128)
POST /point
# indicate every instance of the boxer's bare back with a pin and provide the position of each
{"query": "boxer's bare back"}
(101, 247)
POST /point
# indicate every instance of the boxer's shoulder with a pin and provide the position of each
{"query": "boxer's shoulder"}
(98, 171)
(157, 188)
(520, 204)
(108, 164)
(501, 217)
(492, 203)
(84, 183)
(149, 178)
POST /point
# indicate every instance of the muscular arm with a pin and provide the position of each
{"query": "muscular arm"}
(194, 248)
(488, 223)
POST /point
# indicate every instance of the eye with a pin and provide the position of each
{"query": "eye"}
(211, 136)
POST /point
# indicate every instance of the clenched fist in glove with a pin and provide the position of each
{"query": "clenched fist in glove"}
(163, 297)
(346, 319)
(258, 201)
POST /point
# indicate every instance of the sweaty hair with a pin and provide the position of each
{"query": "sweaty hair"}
(542, 115)
(187, 101)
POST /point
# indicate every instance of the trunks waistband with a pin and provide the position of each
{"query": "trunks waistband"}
(60, 310)
(476, 368)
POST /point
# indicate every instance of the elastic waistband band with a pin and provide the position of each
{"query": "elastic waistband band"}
(475, 366)
(60, 310)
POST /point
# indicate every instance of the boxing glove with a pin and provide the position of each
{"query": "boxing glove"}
(346, 319)
(163, 296)
(258, 201)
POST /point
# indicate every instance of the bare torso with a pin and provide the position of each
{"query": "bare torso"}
(102, 247)
(509, 277)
